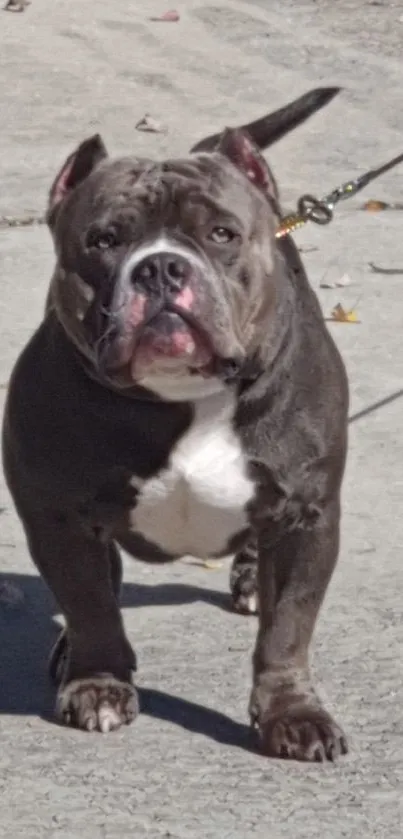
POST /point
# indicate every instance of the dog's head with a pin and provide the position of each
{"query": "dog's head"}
(166, 272)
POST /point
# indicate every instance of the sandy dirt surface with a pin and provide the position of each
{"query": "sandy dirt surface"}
(184, 769)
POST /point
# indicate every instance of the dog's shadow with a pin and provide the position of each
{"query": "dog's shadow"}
(28, 630)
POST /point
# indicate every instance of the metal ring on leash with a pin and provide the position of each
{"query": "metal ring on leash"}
(312, 209)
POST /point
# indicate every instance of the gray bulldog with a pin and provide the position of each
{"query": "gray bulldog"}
(182, 396)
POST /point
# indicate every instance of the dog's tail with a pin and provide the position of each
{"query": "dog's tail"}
(267, 130)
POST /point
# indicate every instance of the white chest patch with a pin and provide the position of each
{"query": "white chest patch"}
(197, 503)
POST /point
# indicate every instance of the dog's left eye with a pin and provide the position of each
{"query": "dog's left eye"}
(102, 240)
(221, 235)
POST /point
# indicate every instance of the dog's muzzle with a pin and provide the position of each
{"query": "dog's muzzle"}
(162, 320)
(171, 334)
(155, 316)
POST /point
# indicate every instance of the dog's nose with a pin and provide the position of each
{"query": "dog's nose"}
(163, 270)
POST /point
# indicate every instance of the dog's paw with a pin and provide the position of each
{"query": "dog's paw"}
(243, 580)
(243, 587)
(302, 732)
(99, 703)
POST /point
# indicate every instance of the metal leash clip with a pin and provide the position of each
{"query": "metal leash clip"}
(320, 211)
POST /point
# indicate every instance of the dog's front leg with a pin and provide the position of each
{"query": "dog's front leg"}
(95, 690)
(293, 575)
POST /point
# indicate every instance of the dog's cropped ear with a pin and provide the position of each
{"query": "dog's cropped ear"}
(77, 167)
(270, 128)
(239, 148)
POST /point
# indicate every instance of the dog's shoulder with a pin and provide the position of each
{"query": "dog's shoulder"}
(293, 418)
(41, 402)
(33, 379)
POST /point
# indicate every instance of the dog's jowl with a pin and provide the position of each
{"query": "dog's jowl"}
(182, 395)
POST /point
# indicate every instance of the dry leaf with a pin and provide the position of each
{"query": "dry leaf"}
(16, 5)
(212, 564)
(344, 281)
(342, 315)
(172, 16)
(374, 206)
(148, 123)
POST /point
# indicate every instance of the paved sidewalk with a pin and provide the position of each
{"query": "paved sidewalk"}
(184, 770)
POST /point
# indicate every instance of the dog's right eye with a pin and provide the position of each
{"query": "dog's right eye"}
(102, 240)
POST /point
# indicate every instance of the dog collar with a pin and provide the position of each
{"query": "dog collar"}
(320, 211)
